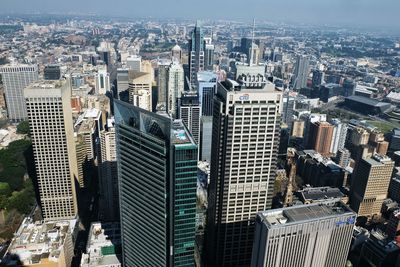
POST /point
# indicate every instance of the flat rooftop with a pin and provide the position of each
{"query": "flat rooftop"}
(318, 193)
(304, 213)
(180, 134)
(39, 242)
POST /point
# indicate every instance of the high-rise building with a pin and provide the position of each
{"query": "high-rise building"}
(190, 112)
(208, 54)
(134, 63)
(317, 78)
(317, 234)
(320, 137)
(288, 110)
(298, 129)
(196, 54)
(245, 140)
(176, 54)
(15, 79)
(206, 82)
(205, 138)
(102, 81)
(370, 183)
(122, 80)
(175, 87)
(162, 85)
(339, 135)
(157, 172)
(50, 120)
(343, 157)
(108, 174)
(301, 72)
(52, 72)
(140, 86)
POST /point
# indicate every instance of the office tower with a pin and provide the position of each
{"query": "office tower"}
(108, 174)
(301, 72)
(359, 136)
(205, 138)
(50, 120)
(208, 54)
(288, 108)
(189, 113)
(308, 120)
(382, 147)
(175, 87)
(339, 135)
(245, 139)
(206, 82)
(122, 80)
(196, 54)
(305, 235)
(176, 54)
(317, 78)
(370, 183)
(140, 85)
(134, 63)
(102, 81)
(298, 129)
(394, 138)
(253, 57)
(15, 79)
(343, 157)
(320, 137)
(52, 72)
(157, 172)
(162, 85)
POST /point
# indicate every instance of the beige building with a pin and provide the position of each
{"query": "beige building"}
(140, 84)
(298, 129)
(370, 183)
(43, 244)
(246, 127)
(50, 120)
(359, 136)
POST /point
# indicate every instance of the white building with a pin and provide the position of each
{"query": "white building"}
(50, 120)
(15, 79)
(104, 242)
(134, 62)
(102, 81)
(175, 87)
(140, 86)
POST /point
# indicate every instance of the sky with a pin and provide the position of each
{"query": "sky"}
(360, 13)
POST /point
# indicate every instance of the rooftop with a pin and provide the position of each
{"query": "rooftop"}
(304, 213)
(367, 101)
(180, 134)
(103, 245)
(320, 193)
(37, 242)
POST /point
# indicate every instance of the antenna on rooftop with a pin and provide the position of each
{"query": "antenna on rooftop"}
(252, 43)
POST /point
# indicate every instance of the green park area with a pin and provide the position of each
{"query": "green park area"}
(17, 195)
(384, 126)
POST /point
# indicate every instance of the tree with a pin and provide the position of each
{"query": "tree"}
(5, 189)
(23, 127)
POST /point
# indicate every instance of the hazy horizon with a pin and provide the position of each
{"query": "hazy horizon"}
(358, 13)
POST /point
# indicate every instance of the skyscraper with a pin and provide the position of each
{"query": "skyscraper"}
(307, 235)
(245, 140)
(15, 79)
(52, 72)
(175, 87)
(176, 54)
(108, 174)
(209, 54)
(102, 81)
(301, 70)
(196, 54)
(157, 170)
(190, 112)
(339, 135)
(370, 183)
(320, 137)
(50, 120)
(134, 63)
(162, 85)
(206, 82)
(140, 86)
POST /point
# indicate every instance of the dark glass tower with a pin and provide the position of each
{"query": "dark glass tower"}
(157, 170)
(196, 54)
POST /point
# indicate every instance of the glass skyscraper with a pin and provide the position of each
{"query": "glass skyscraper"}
(196, 54)
(157, 167)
